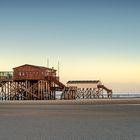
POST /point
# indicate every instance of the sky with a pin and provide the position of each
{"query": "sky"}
(91, 39)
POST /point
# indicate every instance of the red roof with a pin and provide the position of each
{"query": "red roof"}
(40, 67)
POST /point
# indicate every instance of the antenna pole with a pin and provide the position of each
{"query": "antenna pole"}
(48, 62)
(58, 68)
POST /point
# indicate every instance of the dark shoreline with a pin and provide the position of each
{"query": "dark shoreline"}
(76, 102)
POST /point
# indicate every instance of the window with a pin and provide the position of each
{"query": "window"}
(19, 73)
(23, 74)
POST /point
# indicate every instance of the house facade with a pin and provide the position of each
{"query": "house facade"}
(32, 72)
(84, 85)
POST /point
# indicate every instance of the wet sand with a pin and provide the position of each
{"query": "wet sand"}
(66, 121)
(77, 102)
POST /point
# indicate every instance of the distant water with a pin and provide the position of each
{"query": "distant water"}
(126, 95)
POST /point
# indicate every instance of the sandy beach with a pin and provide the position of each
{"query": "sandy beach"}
(70, 120)
(76, 102)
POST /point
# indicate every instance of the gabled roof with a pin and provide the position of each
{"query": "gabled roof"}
(40, 67)
(83, 81)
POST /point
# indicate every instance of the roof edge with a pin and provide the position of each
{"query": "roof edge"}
(83, 81)
(35, 66)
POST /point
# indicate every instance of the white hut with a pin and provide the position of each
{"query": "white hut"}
(84, 85)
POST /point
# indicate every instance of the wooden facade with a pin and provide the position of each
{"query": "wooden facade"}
(31, 72)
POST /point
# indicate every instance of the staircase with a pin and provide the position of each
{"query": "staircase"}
(56, 81)
(109, 91)
(69, 93)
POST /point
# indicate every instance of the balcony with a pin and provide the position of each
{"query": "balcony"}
(6, 75)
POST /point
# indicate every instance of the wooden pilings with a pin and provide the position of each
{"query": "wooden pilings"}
(74, 93)
(69, 93)
(26, 90)
(46, 90)
(92, 93)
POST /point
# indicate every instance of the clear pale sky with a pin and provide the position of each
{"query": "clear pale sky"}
(92, 39)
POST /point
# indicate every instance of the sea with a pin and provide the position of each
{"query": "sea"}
(126, 95)
(114, 95)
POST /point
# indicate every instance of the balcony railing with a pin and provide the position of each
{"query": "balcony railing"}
(6, 75)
